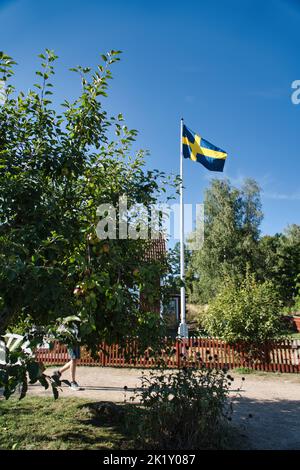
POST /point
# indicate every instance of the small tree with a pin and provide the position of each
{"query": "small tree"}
(246, 312)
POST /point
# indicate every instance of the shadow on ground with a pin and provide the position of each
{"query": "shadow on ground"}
(96, 388)
(268, 424)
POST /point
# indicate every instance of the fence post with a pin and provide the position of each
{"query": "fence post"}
(178, 352)
(104, 357)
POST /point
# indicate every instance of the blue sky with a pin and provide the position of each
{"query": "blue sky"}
(226, 67)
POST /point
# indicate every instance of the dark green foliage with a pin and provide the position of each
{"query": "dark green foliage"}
(184, 409)
(280, 262)
(20, 367)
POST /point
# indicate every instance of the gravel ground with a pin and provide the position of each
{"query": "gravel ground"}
(266, 410)
(273, 403)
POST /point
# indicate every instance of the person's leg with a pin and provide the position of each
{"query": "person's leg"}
(75, 358)
(65, 367)
(73, 363)
(57, 373)
(74, 354)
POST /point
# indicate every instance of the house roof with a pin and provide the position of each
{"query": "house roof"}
(156, 249)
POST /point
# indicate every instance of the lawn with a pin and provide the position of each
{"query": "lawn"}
(67, 423)
(41, 423)
(295, 335)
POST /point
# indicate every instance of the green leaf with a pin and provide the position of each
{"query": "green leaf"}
(55, 392)
(33, 369)
(43, 381)
(24, 389)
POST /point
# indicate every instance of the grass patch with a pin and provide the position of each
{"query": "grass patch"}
(67, 423)
(40, 423)
(295, 335)
(243, 370)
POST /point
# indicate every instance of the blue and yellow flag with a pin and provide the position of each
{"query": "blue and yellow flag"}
(202, 151)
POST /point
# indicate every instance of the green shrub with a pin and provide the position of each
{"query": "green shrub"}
(183, 409)
(297, 303)
(247, 312)
(243, 370)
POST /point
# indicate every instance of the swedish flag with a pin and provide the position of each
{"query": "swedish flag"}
(202, 151)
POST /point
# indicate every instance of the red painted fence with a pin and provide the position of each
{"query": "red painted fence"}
(275, 357)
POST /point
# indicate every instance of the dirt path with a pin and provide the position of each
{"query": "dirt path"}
(274, 405)
(272, 401)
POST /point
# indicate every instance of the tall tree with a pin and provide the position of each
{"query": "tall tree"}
(280, 262)
(173, 279)
(231, 231)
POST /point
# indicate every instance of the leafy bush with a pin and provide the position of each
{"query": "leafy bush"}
(297, 304)
(21, 368)
(246, 312)
(296, 307)
(185, 409)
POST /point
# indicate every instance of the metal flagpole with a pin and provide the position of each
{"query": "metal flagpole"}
(183, 328)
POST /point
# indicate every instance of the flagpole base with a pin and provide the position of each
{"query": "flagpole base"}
(183, 330)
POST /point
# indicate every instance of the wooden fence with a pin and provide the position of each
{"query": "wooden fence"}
(274, 357)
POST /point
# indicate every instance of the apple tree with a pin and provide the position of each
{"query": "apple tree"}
(57, 165)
